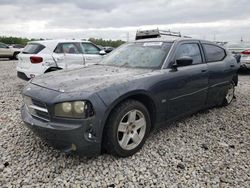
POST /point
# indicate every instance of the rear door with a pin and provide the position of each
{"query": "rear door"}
(220, 72)
(186, 90)
(91, 53)
(69, 55)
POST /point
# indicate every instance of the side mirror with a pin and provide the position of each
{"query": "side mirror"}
(102, 52)
(183, 61)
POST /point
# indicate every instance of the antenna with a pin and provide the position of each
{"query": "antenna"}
(127, 36)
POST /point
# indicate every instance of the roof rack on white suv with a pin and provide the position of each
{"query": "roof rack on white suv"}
(156, 33)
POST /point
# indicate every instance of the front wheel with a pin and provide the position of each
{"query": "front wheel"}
(15, 56)
(127, 128)
(229, 95)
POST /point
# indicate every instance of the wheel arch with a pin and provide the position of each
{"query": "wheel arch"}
(141, 96)
(235, 79)
(50, 69)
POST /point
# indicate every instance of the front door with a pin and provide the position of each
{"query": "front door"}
(186, 88)
(5, 50)
(91, 53)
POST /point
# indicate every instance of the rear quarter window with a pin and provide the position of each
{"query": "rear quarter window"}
(213, 53)
(33, 48)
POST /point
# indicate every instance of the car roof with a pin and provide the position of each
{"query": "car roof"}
(173, 39)
(51, 44)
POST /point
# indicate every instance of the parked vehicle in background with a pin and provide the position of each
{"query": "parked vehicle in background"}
(19, 46)
(40, 57)
(140, 86)
(100, 46)
(108, 49)
(8, 51)
(242, 53)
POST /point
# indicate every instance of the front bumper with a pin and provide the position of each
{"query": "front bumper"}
(69, 138)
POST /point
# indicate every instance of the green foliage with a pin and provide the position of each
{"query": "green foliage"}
(14, 40)
(112, 43)
(19, 40)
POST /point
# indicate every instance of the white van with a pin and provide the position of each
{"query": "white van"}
(40, 57)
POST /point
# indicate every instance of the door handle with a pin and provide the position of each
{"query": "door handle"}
(59, 58)
(231, 65)
(204, 70)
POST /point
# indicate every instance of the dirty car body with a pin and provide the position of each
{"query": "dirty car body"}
(144, 71)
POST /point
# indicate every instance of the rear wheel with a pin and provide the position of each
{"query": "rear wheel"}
(127, 128)
(229, 95)
(52, 69)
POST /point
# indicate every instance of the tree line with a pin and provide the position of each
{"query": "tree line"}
(100, 41)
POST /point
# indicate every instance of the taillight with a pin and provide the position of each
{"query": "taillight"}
(246, 52)
(35, 59)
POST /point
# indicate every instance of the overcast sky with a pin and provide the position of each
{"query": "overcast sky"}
(226, 20)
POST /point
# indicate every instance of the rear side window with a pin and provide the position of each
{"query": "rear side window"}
(33, 48)
(68, 48)
(190, 50)
(214, 53)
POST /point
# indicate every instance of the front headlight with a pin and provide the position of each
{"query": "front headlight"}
(74, 109)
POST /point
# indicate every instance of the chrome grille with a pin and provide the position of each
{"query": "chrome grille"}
(37, 108)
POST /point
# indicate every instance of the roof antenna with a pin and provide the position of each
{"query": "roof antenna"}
(241, 40)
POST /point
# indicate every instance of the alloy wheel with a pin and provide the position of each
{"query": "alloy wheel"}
(131, 129)
(230, 93)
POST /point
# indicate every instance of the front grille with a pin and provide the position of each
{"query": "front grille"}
(38, 103)
(37, 108)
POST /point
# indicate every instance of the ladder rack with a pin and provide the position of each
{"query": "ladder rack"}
(156, 33)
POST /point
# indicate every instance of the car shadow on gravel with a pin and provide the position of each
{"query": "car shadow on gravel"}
(244, 72)
(6, 59)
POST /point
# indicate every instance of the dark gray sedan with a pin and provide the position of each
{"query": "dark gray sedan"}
(113, 106)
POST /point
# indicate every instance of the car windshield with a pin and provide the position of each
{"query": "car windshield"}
(139, 55)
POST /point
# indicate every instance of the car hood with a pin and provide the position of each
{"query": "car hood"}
(89, 79)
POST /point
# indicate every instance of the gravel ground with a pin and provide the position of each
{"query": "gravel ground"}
(209, 149)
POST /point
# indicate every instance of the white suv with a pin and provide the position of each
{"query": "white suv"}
(40, 57)
(8, 52)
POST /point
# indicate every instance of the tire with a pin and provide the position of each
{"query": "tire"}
(127, 129)
(229, 95)
(14, 56)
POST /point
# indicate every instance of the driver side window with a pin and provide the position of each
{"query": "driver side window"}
(191, 50)
(89, 48)
(3, 46)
